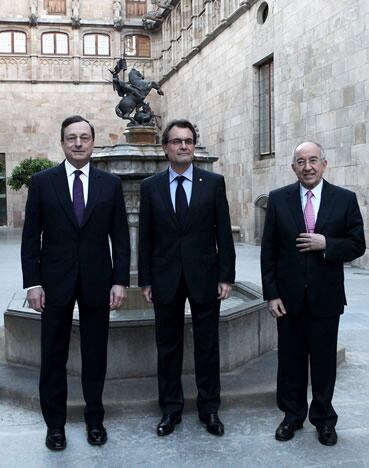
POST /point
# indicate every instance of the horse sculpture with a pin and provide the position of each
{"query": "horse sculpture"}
(133, 93)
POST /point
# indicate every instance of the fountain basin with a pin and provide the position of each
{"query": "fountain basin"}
(246, 330)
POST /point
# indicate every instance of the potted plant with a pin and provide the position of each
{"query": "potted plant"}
(23, 172)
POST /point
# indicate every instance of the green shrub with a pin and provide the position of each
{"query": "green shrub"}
(23, 172)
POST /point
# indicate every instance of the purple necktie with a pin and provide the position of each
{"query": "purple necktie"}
(309, 213)
(78, 199)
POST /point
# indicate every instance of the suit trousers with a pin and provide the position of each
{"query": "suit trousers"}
(56, 324)
(169, 326)
(303, 338)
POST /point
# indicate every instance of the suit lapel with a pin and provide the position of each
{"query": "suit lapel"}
(294, 203)
(163, 185)
(197, 188)
(94, 187)
(60, 185)
(325, 206)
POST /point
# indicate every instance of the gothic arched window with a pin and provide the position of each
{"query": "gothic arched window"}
(96, 44)
(55, 43)
(13, 42)
(136, 45)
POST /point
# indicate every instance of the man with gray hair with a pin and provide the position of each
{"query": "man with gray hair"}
(311, 228)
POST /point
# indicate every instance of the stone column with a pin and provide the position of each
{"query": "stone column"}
(224, 5)
(76, 37)
(34, 43)
(208, 17)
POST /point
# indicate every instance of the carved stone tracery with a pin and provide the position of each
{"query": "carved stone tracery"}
(187, 25)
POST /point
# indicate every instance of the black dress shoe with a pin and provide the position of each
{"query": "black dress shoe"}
(167, 423)
(286, 431)
(213, 424)
(96, 434)
(327, 435)
(55, 438)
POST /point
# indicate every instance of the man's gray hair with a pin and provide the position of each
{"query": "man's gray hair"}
(322, 151)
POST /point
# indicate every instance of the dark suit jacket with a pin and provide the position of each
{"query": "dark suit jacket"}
(287, 273)
(55, 250)
(203, 250)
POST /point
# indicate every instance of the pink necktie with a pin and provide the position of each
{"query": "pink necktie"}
(309, 213)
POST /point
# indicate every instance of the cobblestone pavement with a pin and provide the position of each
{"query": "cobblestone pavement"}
(249, 439)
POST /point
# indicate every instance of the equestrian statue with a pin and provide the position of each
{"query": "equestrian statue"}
(133, 93)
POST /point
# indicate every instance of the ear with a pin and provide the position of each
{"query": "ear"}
(165, 150)
(293, 168)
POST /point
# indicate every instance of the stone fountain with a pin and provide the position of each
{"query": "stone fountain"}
(246, 328)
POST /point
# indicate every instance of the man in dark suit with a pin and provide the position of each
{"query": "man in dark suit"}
(72, 210)
(311, 228)
(186, 251)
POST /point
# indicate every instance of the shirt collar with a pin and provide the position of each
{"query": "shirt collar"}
(70, 168)
(188, 173)
(316, 191)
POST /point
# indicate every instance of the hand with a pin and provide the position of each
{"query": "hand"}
(147, 294)
(310, 241)
(118, 294)
(224, 290)
(36, 298)
(276, 308)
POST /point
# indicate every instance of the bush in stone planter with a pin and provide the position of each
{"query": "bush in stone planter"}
(23, 172)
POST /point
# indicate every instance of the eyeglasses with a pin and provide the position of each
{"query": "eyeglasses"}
(313, 161)
(180, 141)
(82, 138)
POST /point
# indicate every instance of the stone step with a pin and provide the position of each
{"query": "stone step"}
(250, 385)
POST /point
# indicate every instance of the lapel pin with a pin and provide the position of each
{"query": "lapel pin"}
(200, 180)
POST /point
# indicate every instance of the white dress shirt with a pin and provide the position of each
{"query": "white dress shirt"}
(83, 177)
(187, 184)
(315, 199)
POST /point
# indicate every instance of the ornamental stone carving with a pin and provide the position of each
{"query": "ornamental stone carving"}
(76, 19)
(33, 18)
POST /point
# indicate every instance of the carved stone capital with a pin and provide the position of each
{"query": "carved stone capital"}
(76, 22)
(118, 23)
(33, 19)
(150, 24)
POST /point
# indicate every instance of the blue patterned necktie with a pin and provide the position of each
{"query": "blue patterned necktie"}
(181, 201)
(78, 198)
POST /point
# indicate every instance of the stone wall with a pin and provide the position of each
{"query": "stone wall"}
(320, 51)
(38, 91)
(206, 56)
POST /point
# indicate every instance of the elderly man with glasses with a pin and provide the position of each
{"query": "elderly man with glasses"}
(311, 228)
